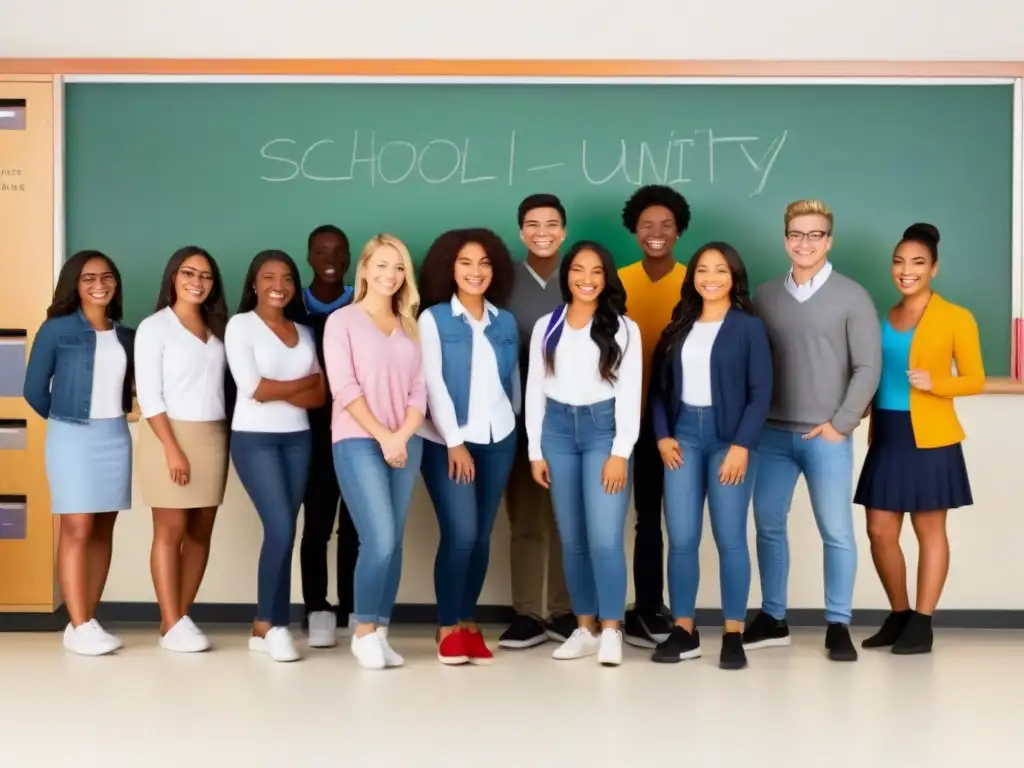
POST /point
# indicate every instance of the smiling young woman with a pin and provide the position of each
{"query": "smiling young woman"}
(915, 463)
(373, 362)
(79, 378)
(182, 452)
(470, 347)
(710, 393)
(272, 357)
(583, 396)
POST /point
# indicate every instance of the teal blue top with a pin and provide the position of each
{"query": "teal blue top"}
(894, 388)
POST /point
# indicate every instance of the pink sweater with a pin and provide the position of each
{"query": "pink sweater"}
(362, 362)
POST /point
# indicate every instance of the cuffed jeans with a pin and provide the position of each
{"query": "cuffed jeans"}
(576, 441)
(377, 497)
(686, 489)
(465, 516)
(828, 469)
(273, 468)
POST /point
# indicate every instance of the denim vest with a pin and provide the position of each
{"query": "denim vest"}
(457, 353)
(58, 379)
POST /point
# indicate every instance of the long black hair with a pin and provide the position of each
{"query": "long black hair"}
(214, 308)
(687, 311)
(66, 300)
(437, 273)
(611, 306)
(295, 310)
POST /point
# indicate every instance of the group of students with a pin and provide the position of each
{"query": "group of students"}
(557, 382)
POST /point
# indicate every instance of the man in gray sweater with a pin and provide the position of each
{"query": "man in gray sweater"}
(827, 352)
(534, 537)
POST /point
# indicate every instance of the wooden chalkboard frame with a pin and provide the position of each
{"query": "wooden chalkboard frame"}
(920, 72)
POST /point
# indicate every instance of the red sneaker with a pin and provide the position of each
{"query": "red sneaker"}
(477, 649)
(454, 649)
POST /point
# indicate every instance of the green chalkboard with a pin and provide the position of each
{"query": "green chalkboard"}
(237, 168)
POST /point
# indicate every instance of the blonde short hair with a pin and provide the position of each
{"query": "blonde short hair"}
(808, 208)
(406, 302)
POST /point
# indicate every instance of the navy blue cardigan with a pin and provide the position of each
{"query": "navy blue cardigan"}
(741, 382)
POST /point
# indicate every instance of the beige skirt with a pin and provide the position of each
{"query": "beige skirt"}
(205, 445)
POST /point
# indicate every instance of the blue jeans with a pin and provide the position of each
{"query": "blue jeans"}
(828, 469)
(576, 441)
(273, 468)
(465, 517)
(686, 490)
(377, 497)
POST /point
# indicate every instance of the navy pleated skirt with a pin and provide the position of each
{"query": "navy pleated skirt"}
(900, 477)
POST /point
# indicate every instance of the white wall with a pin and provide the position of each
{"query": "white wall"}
(656, 29)
(987, 570)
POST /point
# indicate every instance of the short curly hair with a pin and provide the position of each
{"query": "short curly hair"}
(437, 273)
(656, 194)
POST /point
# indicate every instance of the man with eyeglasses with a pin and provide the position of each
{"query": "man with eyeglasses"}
(827, 351)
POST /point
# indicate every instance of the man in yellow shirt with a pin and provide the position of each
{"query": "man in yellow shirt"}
(656, 215)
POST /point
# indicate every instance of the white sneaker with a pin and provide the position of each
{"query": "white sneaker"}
(185, 637)
(323, 629)
(580, 643)
(392, 658)
(111, 638)
(369, 651)
(90, 639)
(278, 644)
(610, 652)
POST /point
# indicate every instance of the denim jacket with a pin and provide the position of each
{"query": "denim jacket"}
(58, 380)
(457, 353)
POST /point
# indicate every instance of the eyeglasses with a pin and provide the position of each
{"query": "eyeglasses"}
(795, 236)
(191, 274)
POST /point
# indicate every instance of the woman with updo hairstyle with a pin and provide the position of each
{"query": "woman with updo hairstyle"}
(915, 463)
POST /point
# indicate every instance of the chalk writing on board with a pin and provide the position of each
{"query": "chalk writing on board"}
(681, 159)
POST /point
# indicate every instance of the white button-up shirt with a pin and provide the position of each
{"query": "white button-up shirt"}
(803, 292)
(176, 372)
(492, 415)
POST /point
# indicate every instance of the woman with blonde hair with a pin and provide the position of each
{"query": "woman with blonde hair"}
(373, 362)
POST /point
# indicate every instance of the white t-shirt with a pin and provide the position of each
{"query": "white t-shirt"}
(491, 415)
(255, 352)
(177, 373)
(577, 381)
(108, 370)
(696, 356)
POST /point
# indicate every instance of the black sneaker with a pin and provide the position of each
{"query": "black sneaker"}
(524, 632)
(646, 628)
(733, 655)
(559, 628)
(679, 646)
(917, 637)
(766, 632)
(838, 643)
(890, 631)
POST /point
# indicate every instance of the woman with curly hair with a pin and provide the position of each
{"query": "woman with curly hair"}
(182, 446)
(657, 216)
(710, 393)
(79, 378)
(470, 349)
(583, 395)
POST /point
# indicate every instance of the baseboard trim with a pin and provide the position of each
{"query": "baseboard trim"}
(425, 613)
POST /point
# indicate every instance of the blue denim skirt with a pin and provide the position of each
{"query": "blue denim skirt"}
(89, 466)
(900, 477)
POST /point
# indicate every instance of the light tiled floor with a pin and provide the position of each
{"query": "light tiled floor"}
(146, 708)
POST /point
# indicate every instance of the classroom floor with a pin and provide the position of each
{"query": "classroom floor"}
(146, 708)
